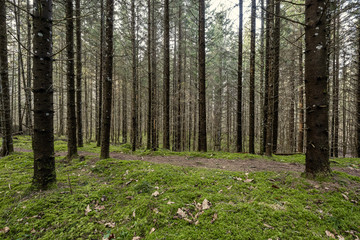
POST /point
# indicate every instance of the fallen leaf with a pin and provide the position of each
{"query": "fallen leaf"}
(33, 231)
(228, 188)
(110, 224)
(87, 210)
(346, 197)
(5, 230)
(220, 191)
(340, 237)
(214, 218)
(329, 234)
(156, 210)
(181, 213)
(268, 226)
(136, 238)
(103, 198)
(238, 178)
(274, 186)
(188, 220)
(155, 194)
(130, 197)
(134, 214)
(169, 202)
(152, 230)
(206, 204)
(98, 207)
(248, 180)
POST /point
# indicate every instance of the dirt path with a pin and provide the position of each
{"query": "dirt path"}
(241, 165)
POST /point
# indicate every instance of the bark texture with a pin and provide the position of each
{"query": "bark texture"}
(316, 87)
(43, 139)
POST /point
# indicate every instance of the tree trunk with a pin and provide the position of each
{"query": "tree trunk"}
(43, 140)
(317, 154)
(98, 132)
(71, 115)
(154, 115)
(135, 97)
(6, 124)
(263, 88)
(276, 75)
(28, 82)
(358, 93)
(202, 79)
(239, 147)
(252, 80)
(108, 79)
(78, 75)
(166, 72)
(177, 143)
(300, 148)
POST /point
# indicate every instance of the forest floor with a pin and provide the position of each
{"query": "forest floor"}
(169, 195)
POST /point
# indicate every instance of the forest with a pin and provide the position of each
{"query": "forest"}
(180, 119)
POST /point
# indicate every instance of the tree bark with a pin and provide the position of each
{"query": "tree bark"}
(98, 132)
(300, 144)
(71, 114)
(166, 72)
(202, 79)
(108, 79)
(316, 83)
(6, 124)
(252, 80)
(239, 147)
(43, 140)
(135, 97)
(78, 76)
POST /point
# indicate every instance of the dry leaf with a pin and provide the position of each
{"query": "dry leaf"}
(136, 238)
(87, 210)
(228, 188)
(110, 224)
(214, 218)
(98, 207)
(248, 180)
(152, 230)
(346, 197)
(134, 214)
(181, 213)
(5, 230)
(188, 220)
(329, 234)
(130, 197)
(220, 191)
(238, 178)
(155, 194)
(206, 204)
(340, 237)
(156, 210)
(33, 231)
(268, 226)
(169, 202)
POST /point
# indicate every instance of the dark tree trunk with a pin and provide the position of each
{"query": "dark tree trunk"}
(150, 85)
(292, 107)
(202, 79)
(269, 76)
(124, 109)
(358, 93)
(78, 75)
(6, 124)
(71, 114)
(300, 145)
(98, 132)
(154, 106)
(19, 66)
(252, 80)
(166, 72)
(135, 97)
(177, 143)
(108, 79)
(43, 140)
(276, 75)
(28, 82)
(239, 146)
(316, 83)
(262, 84)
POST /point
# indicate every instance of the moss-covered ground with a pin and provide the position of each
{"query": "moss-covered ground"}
(119, 199)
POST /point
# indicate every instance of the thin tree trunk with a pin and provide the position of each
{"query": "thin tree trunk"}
(202, 79)
(28, 83)
(166, 72)
(252, 80)
(263, 88)
(300, 148)
(177, 145)
(78, 76)
(135, 97)
(98, 132)
(43, 146)
(154, 115)
(239, 147)
(108, 80)
(71, 114)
